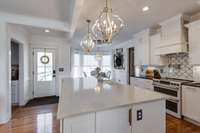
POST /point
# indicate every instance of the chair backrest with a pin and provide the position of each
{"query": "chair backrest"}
(108, 74)
(85, 75)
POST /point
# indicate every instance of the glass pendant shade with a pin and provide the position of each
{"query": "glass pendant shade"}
(88, 42)
(107, 26)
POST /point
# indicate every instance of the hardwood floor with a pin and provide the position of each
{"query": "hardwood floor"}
(37, 119)
(42, 119)
(180, 126)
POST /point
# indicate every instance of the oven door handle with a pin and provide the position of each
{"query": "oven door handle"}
(166, 87)
(173, 100)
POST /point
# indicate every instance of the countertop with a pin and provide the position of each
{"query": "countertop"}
(193, 84)
(142, 77)
(85, 95)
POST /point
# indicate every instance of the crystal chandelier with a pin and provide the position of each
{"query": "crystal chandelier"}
(88, 42)
(108, 25)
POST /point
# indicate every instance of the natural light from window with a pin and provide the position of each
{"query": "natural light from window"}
(83, 64)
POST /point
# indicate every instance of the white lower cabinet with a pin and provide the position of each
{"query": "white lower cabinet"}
(15, 92)
(142, 83)
(152, 120)
(79, 124)
(190, 103)
(113, 121)
(147, 117)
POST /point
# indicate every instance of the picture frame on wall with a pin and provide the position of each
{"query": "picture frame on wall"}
(118, 59)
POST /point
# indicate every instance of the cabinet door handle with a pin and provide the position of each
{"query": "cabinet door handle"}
(130, 117)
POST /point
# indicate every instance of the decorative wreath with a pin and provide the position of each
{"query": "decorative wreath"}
(44, 59)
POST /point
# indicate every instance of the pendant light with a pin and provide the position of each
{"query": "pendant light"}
(108, 25)
(88, 42)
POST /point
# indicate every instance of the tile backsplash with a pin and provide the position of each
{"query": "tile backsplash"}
(177, 67)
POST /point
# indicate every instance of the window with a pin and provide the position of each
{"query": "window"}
(44, 66)
(83, 64)
(76, 65)
(89, 64)
(106, 62)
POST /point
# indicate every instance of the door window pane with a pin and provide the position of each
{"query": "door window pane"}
(44, 66)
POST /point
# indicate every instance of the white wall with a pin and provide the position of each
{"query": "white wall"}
(122, 74)
(8, 32)
(18, 33)
(5, 91)
(62, 54)
(21, 36)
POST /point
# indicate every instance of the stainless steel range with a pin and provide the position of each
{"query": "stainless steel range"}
(172, 88)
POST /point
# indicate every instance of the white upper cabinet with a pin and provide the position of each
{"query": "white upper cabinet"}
(155, 59)
(173, 36)
(194, 42)
(142, 48)
(145, 49)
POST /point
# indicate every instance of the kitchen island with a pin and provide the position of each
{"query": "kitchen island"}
(88, 106)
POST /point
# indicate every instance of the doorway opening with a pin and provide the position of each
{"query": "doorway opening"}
(131, 63)
(15, 78)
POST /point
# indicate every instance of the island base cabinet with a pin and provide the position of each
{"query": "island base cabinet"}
(113, 121)
(149, 117)
(79, 124)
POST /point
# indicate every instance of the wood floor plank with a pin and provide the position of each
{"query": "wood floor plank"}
(42, 119)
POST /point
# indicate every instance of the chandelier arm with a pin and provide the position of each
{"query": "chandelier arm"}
(108, 25)
(88, 28)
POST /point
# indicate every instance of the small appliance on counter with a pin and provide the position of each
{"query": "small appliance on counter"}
(152, 73)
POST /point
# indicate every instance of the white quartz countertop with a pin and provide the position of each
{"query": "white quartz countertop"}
(85, 95)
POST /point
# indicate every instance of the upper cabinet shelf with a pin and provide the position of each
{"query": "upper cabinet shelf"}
(173, 36)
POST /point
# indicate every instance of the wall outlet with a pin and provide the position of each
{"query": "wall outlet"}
(139, 115)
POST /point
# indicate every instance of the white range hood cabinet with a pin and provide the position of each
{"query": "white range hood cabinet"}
(173, 36)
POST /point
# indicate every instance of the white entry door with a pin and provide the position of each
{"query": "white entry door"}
(44, 72)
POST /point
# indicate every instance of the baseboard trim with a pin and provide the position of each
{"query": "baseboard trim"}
(191, 121)
(4, 121)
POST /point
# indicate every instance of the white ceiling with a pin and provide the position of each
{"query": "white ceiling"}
(41, 31)
(129, 10)
(51, 9)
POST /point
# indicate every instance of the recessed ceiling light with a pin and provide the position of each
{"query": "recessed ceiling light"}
(146, 8)
(47, 30)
